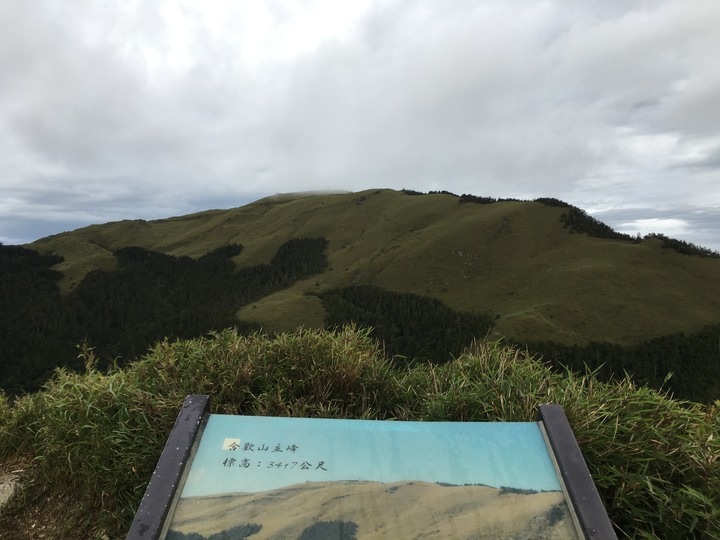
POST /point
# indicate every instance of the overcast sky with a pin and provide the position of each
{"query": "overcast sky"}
(148, 109)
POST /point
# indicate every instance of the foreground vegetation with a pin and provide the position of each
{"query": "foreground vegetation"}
(90, 441)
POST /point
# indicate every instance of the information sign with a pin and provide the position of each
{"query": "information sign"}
(265, 477)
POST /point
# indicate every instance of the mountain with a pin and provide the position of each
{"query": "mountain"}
(429, 271)
(516, 259)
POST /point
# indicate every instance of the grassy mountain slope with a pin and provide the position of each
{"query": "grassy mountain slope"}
(512, 258)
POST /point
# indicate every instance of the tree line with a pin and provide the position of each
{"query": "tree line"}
(415, 328)
(685, 364)
(411, 327)
(121, 313)
(151, 296)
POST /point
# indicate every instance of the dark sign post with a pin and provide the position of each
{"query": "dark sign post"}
(235, 476)
(160, 493)
(575, 475)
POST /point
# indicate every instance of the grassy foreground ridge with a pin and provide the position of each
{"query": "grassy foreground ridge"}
(89, 442)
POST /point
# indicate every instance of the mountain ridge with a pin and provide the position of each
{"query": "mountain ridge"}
(514, 258)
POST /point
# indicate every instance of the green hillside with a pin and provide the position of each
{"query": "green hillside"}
(512, 258)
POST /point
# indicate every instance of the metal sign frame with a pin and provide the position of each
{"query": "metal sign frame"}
(157, 506)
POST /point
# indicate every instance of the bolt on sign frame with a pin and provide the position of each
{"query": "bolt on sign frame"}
(268, 477)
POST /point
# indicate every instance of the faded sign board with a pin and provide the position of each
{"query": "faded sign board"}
(266, 477)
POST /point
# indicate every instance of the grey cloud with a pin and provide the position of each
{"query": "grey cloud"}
(451, 104)
(514, 98)
(710, 160)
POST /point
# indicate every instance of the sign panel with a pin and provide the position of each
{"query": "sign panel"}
(263, 477)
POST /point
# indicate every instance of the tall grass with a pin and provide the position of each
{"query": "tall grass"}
(93, 439)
